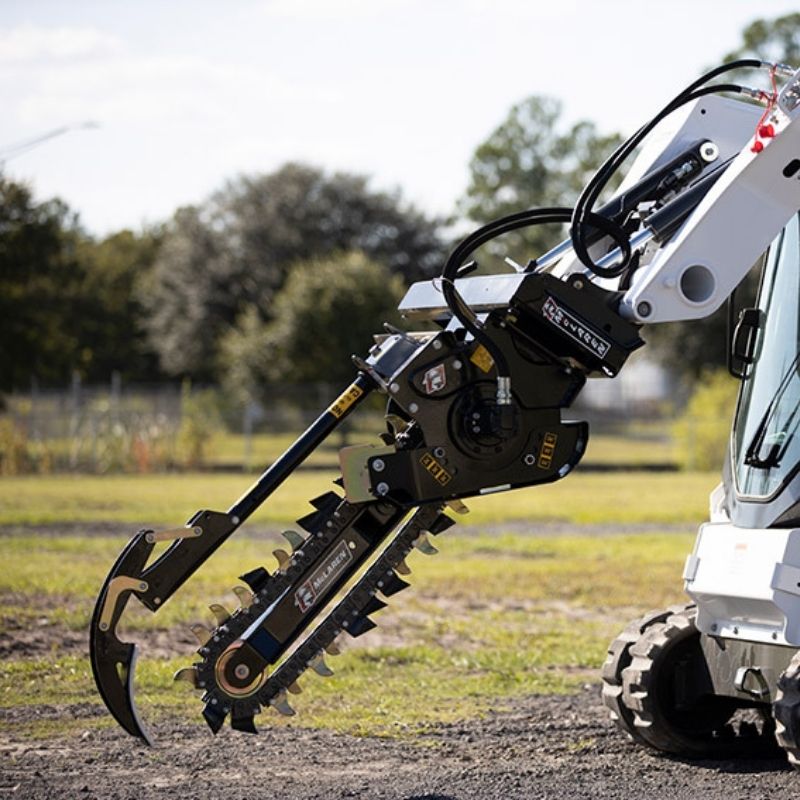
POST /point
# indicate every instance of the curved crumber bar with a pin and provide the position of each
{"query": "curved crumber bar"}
(114, 661)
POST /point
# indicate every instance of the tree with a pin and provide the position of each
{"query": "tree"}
(67, 302)
(531, 160)
(327, 310)
(112, 334)
(40, 288)
(234, 252)
(771, 40)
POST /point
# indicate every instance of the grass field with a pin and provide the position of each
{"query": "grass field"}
(496, 615)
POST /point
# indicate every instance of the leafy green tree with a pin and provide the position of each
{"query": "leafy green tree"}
(235, 251)
(772, 40)
(41, 283)
(112, 334)
(67, 302)
(327, 310)
(532, 159)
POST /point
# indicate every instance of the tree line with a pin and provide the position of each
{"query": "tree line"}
(279, 277)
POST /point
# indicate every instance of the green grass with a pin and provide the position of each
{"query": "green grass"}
(168, 500)
(488, 620)
(495, 616)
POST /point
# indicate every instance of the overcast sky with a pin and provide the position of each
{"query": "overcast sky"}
(188, 94)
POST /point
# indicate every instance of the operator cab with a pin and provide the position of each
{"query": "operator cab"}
(761, 477)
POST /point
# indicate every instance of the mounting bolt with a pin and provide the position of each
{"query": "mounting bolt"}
(529, 459)
(378, 464)
(578, 283)
(439, 452)
(382, 488)
(644, 309)
(242, 672)
(413, 408)
(437, 345)
(457, 364)
(394, 388)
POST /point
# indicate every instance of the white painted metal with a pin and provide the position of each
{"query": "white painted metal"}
(746, 583)
(691, 276)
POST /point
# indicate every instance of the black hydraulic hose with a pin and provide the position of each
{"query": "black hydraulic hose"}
(580, 220)
(498, 227)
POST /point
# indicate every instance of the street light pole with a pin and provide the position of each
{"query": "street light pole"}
(20, 148)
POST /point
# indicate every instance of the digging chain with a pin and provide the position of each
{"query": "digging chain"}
(349, 615)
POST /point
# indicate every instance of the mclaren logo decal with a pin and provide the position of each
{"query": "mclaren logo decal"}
(315, 586)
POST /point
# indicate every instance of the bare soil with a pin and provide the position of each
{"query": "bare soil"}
(546, 747)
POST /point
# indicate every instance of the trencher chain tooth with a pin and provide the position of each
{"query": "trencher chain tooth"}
(201, 633)
(296, 541)
(221, 614)
(244, 596)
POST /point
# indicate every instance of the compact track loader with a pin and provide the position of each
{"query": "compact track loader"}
(478, 405)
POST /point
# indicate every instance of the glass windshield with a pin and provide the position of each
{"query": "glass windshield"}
(767, 428)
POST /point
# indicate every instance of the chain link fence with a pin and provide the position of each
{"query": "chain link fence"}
(120, 427)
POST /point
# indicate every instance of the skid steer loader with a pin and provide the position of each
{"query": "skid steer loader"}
(477, 405)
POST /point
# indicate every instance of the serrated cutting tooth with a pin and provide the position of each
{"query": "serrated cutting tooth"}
(294, 687)
(423, 544)
(333, 649)
(294, 538)
(284, 559)
(441, 524)
(374, 604)
(326, 500)
(281, 704)
(256, 579)
(360, 626)
(244, 724)
(188, 674)
(213, 717)
(244, 596)
(320, 667)
(402, 568)
(221, 614)
(391, 584)
(201, 633)
(457, 506)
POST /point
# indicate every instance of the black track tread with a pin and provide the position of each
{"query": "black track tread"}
(786, 710)
(640, 679)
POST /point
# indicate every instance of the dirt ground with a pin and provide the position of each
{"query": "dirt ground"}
(546, 747)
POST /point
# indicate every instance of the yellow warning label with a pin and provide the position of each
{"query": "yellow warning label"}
(441, 475)
(345, 400)
(481, 359)
(548, 451)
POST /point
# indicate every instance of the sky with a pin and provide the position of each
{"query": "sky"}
(190, 93)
